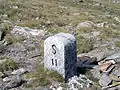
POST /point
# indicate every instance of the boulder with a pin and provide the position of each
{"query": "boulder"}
(87, 24)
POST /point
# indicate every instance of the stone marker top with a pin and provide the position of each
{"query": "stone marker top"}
(64, 37)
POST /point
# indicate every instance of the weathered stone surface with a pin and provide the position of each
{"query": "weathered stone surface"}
(25, 53)
(115, 57)
(60, 54)
(105, 80)
(100, 53)
(27, 32)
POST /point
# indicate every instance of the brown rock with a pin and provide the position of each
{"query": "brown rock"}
(104, 66)
(106, 61)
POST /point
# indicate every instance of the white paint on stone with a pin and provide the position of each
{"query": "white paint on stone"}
(60, 54)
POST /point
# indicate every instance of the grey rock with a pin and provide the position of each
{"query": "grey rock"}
(78, 82)
(14, 82)
(105, 80)
(19, 71)
(25, 53)
(115, 57)
(60, 54)
(87, 24)
(116, 72)
(27, 32)
(100, 53)
(6, 79)
(103, 24)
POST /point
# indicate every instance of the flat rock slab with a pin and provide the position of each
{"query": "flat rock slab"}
(110, 69)
(104, 66)
(105, 80)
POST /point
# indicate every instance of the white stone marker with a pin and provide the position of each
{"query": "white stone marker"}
(60, 54)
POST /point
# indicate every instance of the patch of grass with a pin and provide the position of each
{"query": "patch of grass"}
(108, 33)
(30, 23)
(42, 77)
(84, 45)
(13, 39)
(8, 64)
(56, 29)
(85, 30)
(117, 44)
(54, 76)
(96, 85)
(5, 27)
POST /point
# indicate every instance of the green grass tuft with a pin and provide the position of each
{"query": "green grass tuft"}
(117, 44)
(8, 64)
(44, 77)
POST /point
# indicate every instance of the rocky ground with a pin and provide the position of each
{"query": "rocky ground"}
(24, 25)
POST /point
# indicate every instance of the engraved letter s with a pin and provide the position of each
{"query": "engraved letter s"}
(54, 49)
